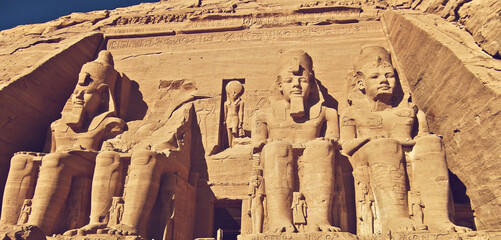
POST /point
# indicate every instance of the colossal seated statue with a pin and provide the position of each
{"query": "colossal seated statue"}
(73, 142)
(379, 137)
(297, 125)
(159, 166)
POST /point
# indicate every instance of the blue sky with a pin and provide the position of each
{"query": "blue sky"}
(19, 12)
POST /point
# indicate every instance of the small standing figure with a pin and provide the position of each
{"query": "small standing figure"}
(234, 111)
(116, 211)
(416, 207)
(298, 210)
(256, 197)
(365, 210)
(25, 212)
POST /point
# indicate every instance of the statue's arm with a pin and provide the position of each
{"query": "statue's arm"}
(241, 114)
(113, 127)
(225, 111)
(259, 131)
(332, 124)
(50, 141)
(423, 128)
(349, 141)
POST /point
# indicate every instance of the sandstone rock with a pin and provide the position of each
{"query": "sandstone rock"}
(217, 134)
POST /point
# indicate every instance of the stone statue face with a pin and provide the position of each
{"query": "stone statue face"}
(233, 95)
(295, 85)
(87, 99)
(378, 81)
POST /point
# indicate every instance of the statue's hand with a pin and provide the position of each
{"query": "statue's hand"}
(407, 142)
(258, 146)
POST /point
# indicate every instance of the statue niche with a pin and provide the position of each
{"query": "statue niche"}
(297, 126)
(378, 136)
(73, 142)
(234, 111)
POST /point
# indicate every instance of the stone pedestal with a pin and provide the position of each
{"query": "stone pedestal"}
(299, 236)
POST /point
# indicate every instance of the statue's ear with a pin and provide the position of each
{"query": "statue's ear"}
(279, 82)
(359, 81)
(104, 93)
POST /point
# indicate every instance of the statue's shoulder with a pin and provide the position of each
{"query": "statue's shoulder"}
(408, 110)
(328, 110)
(59, 126)
(350, 112)
(264, 112)
(115, 121)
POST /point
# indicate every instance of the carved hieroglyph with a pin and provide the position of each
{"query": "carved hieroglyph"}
(378, 136)
(298, 106)
(73, 142)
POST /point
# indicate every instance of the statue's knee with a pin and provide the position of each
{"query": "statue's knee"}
(53, 160)
(278, 149)
(428, 143)
(143, 157)
(319, 147)
(21, 162)
(107, 158)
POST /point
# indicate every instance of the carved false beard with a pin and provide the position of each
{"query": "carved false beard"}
(297, 107)
(76, 118)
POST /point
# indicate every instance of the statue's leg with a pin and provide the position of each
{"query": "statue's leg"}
(363, 193)
(142, 190)
(230, 137)
(278, 177)
(257, 214)
(318, 182)
(106, 184)
(54, 184)
(387, 176)
(19, 186)
(431, 181)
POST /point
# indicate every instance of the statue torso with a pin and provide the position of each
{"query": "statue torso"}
(67, 139)
(394, 123)
(281, 126)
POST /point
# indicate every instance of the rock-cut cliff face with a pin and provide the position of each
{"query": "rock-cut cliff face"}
(446, 52)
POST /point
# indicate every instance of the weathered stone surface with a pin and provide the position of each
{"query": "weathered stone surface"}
(480, 18)
(28, 232)
(40, 92)
(203, 74)
(468, 119)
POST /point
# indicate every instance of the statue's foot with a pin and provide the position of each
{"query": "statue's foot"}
(313, 227)
(123, 229)
(87, 229)
(282, 227)
(448, 226)
(404, 225)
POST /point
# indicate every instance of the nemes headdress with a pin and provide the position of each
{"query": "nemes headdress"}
(295, 60)
(374, 55)
(100, 71)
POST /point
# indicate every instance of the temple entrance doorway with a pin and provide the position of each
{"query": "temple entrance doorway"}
(227, 217)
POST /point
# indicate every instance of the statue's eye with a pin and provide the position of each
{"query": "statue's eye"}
(288, 80)
(303, 79)
(374, 76)
(390, 75)
(90, 91)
